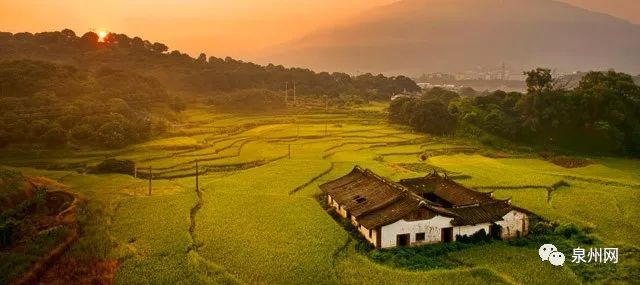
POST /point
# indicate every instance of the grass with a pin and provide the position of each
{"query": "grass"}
(357, 269)
(529, 270)
(253, 227)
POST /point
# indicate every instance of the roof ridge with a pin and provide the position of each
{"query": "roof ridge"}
(387, 181)
(394, 184)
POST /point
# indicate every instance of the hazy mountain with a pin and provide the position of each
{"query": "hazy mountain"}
(416, 36)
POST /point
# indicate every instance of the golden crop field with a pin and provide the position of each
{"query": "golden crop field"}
(257, 218)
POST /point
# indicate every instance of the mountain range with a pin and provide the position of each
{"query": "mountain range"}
(417, 36)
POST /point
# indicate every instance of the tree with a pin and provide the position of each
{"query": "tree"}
(81, 133)
(160, 47)
(396, 108)
(202, 58)
(440, 94)
(56, 136)
(609, 103)
(111, 134)
(468, 92)
(539, 80)
(432, 117)
(89, 39)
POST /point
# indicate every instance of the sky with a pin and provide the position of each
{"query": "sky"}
(219, 27)
(238, 28)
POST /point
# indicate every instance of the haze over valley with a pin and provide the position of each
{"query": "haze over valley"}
(415, 36)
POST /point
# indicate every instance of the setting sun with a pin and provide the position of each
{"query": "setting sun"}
(102, 35)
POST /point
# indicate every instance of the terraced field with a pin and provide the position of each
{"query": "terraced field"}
(257, 219)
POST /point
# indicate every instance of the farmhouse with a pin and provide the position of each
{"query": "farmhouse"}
(423, 210)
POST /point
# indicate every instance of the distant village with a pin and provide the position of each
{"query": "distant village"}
(480, 79)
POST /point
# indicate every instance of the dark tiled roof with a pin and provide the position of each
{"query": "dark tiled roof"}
(482, 213)
(446, 189)
(376, 201)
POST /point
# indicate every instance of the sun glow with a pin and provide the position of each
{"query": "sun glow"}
(102, 35)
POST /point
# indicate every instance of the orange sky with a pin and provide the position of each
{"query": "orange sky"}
(238, 28)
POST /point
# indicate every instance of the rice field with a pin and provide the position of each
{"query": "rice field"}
(257, 218)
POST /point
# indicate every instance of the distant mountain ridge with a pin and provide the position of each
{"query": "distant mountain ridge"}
(417, 36)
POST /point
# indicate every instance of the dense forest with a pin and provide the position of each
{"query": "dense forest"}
(58, 89)
(54, 105)
(600, 115)
(179, 71)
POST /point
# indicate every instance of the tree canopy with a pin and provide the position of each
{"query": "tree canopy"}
(179, 71)
(53, 104)
(600, 115)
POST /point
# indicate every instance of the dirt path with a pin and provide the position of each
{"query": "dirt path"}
(68, 218)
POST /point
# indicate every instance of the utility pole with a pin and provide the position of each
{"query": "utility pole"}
(197, 182)
(150, 176)
(326, 104)
(326, 110)
(286, 92)
(295, 98)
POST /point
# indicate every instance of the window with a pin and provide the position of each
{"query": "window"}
(359, 199)
(402, 240)
(420, 237)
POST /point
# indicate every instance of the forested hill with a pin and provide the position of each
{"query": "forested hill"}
(56, 105)
(179, 71)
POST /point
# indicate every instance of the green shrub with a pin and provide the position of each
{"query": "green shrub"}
(478, 237)
(519, 242)
(587, 239)
(113, 165)
(542, 228)
(568, 230)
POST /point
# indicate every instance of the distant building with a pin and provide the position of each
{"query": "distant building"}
(405, 94)
(430, 209)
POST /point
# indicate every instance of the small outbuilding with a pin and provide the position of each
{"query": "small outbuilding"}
(430, 209)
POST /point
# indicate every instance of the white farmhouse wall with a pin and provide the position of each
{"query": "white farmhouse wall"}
(340, 210)
(363, 230)
(365, 233)
(470, 230)
(513, 224)
(431, 228)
